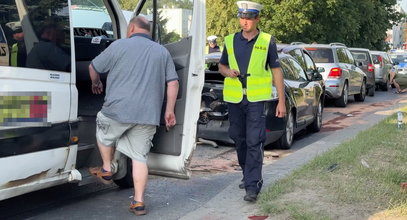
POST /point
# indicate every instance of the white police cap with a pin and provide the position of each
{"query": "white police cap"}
(249, 7)
(212, 38)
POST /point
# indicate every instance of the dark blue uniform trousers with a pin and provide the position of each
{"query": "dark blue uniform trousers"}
(248, 131)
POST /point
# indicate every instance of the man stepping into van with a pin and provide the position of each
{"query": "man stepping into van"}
(138, 71)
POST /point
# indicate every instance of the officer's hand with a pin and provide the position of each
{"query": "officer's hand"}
(280, 110)
(233, 73)
(170, 120)
(97, 88)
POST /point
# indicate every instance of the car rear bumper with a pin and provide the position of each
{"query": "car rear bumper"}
(333, 89)
(217, 130)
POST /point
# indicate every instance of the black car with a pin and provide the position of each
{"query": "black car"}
(304, 95)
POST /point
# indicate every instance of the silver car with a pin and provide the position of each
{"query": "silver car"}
(338, 68)
(383, 65)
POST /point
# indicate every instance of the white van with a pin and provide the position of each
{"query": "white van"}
(4, 50)
(47, 115)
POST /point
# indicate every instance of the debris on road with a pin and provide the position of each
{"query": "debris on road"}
(364, 163)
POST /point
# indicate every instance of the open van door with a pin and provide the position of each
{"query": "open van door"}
(181, 29)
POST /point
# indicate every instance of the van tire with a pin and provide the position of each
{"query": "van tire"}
(127, 180)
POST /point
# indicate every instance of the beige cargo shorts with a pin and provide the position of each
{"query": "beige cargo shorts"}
(133, 140)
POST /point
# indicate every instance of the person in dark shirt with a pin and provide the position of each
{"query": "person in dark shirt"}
(18, 51)
(48, 53)
(212, 45)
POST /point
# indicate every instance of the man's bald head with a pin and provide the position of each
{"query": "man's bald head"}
(141, 24)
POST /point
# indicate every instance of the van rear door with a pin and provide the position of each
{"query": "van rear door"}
(181, 30)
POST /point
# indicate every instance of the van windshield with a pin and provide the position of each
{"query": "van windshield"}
(321, 55)
(91, 18)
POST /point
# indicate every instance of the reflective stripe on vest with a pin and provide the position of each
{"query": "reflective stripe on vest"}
(14, 52)
(259, 83)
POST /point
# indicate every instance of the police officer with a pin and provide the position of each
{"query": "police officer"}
(250, 65)
(18, 51)
(212, 45)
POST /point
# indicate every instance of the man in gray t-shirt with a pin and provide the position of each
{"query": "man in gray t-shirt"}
(138, 71)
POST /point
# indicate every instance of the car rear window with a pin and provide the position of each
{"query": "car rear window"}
(321, 55)
(360, 56)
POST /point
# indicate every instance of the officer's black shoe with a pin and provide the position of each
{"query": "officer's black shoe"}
(241, 185)
(250, 196)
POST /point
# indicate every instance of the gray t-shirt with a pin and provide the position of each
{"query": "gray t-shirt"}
(138, 69)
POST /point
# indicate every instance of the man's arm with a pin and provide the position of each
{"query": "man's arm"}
(279, 83)
(97, 85)
(227, 72)
(172, 93)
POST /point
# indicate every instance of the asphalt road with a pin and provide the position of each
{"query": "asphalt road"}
(214, 169)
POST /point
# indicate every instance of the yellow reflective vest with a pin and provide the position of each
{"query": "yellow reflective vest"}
(14, 54)
(259, 82)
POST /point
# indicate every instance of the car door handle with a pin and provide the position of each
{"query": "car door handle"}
(296, 92)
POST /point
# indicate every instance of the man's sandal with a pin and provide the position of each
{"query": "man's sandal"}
(102, 175)
(138, 208)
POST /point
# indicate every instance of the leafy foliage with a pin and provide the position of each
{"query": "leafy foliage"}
(361, 23)
(221, 18)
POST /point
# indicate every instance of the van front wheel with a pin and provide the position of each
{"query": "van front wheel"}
(127, 180)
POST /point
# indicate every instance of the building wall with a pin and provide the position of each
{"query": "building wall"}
(179, 20)
(396, 37)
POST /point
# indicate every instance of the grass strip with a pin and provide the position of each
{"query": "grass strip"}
(356, 180)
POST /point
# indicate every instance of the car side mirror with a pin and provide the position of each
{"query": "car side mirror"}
(316, 76)
(359, 64)
(321, 69)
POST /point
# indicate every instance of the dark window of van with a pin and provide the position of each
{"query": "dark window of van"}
(38, 34)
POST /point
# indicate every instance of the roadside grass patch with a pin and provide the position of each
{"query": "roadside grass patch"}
(359, 179)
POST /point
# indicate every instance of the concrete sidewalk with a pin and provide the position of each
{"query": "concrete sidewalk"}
(229, 203)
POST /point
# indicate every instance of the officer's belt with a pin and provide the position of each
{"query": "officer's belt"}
(244, 91)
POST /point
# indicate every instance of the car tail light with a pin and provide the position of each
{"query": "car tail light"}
(370, 67)
(309, 48)
(335, 73)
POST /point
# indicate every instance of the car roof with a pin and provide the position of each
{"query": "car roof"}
(328, 46)
(285, 48)
(361, 49)
(378, 52)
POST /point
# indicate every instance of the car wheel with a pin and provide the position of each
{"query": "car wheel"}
(286, 140)
(317, 123)
(127, 180)
(362, 94)
(343, 100)
(385, 86)
(371, 91)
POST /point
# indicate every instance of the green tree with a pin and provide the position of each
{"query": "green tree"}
(361, 23)
(221, 18)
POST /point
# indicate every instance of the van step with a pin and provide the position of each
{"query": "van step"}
(85, 146)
